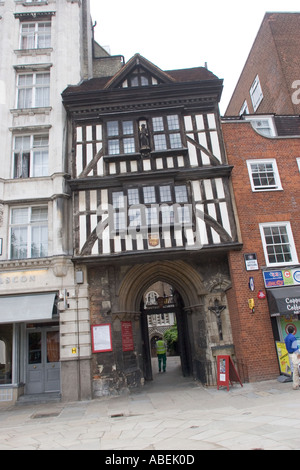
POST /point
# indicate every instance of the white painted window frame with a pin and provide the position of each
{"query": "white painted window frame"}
(293, 251)
(272, 161)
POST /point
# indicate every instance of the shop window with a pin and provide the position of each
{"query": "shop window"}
(6, 347)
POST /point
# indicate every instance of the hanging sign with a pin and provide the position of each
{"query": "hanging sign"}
(226, 372)
(127, 336)
(101, 338)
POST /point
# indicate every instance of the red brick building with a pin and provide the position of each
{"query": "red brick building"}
(270, 79)
(265, 179)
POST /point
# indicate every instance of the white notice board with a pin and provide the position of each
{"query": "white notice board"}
(101, 338)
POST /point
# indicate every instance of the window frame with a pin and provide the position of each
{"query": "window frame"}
(255, 124)
(28, 226)
(34, 86)
(256, 93)
(291, 243)
(257, 189)
(166, 132)
(159, 210)
(36, 35)
(121, 137)
(31, 151)
(244, 109)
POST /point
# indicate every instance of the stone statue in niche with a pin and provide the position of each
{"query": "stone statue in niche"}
(217, 309)
(144, 136)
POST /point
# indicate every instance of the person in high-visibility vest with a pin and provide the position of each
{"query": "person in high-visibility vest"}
(161, 351)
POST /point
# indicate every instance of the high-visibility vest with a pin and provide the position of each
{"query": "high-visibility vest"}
(160, 347)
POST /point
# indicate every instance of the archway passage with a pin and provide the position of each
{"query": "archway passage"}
(187, 290)
(162, 312)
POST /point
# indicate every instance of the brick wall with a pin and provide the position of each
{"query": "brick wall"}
(274, 56)
(252, 333)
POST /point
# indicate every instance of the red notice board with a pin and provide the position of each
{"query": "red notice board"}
(127, 336)
(226, 372)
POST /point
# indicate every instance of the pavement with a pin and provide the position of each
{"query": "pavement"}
(171, 413)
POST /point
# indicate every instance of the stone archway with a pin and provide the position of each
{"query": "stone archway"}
(177, 273)
(190, 288)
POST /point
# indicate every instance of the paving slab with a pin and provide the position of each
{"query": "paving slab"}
(169, 414)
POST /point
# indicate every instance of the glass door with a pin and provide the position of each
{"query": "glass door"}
(43, 364)
(52, 365)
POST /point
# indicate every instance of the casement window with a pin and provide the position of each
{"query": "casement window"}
(139, 78)
(264, 175)
(151, 205)
(30, 156)
(120, 137)
(166, 132)
(278, 243)
(256, 93)
(33, 90)
(29, 232)
(35, 35)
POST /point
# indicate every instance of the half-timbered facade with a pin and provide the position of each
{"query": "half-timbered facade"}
(151, 202)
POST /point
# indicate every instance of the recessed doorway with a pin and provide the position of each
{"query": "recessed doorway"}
(163, 317)
(43, 363)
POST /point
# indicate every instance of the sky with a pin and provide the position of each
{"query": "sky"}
(179, 34)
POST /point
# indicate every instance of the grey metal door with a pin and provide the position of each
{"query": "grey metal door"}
(43, 365)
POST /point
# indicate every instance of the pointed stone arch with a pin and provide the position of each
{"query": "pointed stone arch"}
(179, 274)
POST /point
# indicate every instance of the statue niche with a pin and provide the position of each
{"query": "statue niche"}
(144, 137)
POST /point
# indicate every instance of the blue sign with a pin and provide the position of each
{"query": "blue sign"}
(273, 278)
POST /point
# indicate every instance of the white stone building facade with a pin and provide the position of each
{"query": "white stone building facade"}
(44, 317)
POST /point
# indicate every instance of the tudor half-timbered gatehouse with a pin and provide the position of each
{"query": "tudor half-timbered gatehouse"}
(151, 203)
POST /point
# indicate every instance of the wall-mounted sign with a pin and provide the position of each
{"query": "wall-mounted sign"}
(251, 261)
(101, 338)
(251, 284)
(282, 277)
(261, 295)
(127, 336)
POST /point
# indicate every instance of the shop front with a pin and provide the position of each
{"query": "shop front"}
(29, 345)
(41, 350)
(283, 294)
